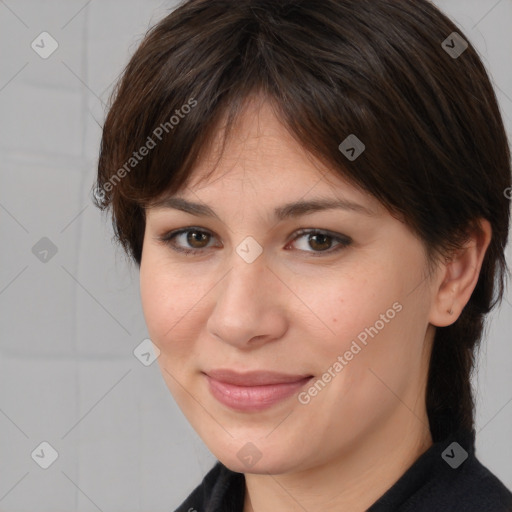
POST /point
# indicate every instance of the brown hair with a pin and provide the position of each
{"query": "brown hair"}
(436, 155)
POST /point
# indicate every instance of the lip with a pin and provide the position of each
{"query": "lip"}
(253, 391)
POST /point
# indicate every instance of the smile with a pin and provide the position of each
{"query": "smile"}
(253, 391)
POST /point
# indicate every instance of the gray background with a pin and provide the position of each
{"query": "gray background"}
(69, 325)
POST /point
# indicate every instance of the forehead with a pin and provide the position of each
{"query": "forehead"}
(260, 154)
(258, 140)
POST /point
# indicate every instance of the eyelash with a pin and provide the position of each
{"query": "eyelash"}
(343, 241)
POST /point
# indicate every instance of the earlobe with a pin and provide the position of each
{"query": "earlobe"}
(457, 277)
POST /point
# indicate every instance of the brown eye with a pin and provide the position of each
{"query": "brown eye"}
(321, 242)
(188, 241)
(197, 239)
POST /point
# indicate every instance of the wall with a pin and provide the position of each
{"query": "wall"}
(69, 301)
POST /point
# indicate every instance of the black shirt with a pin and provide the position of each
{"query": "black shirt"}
(447, 477)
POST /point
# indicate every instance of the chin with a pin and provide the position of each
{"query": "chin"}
(257, 458)
(273, 467)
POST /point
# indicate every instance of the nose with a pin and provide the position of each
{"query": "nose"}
(249, 308)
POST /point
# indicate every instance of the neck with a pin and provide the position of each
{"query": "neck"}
(352, 480)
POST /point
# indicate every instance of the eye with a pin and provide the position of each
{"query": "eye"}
(196, 240)
(321, 241)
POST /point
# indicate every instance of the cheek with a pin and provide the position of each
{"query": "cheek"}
(153, 297)
(384, 356)
(165, 301)
(371, 319)
(343, 303)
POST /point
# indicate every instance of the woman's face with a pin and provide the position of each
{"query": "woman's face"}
(347, 307)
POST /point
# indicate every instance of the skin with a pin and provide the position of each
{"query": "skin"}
(292, 312)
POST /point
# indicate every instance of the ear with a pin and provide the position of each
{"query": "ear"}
(457, 277)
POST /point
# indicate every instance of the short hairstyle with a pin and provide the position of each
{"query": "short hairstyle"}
(436, 151)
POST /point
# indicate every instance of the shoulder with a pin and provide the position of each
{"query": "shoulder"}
(475, 488)
(464, 485)
(471, 487)
(448, 477)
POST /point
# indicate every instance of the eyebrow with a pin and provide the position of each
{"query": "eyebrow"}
(289, 210)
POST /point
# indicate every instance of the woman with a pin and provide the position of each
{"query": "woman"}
(315, 193)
